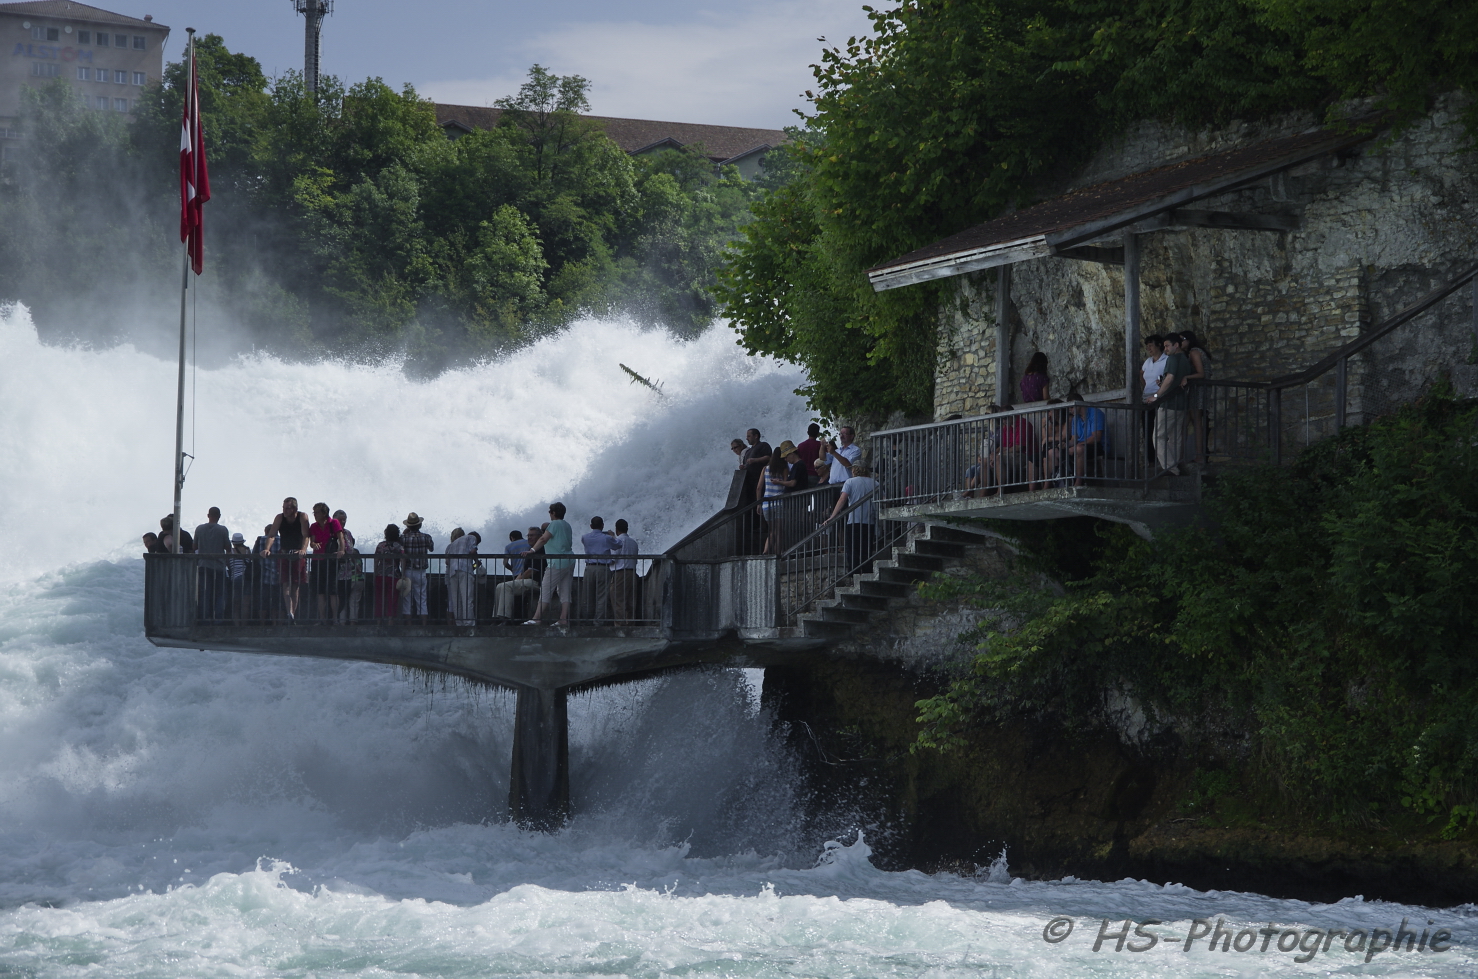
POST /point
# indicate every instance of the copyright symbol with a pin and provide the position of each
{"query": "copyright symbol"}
(1057, 930)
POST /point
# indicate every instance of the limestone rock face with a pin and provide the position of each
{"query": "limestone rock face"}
(1379, 227)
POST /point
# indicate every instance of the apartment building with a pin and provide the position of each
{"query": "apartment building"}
(106, 57)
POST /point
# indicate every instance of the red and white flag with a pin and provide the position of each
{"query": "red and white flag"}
(194, 181)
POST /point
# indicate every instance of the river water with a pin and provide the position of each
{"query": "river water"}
(181, 813)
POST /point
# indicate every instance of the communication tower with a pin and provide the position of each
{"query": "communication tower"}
(313, 11)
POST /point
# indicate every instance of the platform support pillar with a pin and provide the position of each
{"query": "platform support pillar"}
(539, 784)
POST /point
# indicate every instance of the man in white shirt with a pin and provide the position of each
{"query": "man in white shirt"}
(842, 457)
(1152, 371)
(461, 582)
(623, 575)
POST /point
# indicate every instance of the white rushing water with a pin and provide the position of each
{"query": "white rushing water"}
(181, 813)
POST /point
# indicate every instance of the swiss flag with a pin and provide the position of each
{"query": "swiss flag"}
(194, 181)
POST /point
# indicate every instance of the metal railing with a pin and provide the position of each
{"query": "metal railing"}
(1271, 420)
(1073, 443)
(834, 549)
(364, 591)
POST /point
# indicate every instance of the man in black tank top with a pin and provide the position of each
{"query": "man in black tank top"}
(292, 525)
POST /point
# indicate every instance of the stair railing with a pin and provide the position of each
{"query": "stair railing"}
(1250, 420)
(834, 550)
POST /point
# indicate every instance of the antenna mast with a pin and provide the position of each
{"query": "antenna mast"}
(314, 11)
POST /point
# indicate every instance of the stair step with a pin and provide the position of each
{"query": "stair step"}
(938, 548)
(955, 534)
(819, 629)
(864, 602)
(883, 589)
(917, 562)
(839, 613)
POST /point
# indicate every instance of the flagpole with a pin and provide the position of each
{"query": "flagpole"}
(179, 417)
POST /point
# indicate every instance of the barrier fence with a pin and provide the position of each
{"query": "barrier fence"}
(360, 590)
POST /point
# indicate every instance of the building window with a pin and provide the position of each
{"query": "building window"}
(46, 34)
(102, 39)
(120, 105)
(120, 40)
(84, 74)
(139, 78)
(42, 69)
(140, 44)
(102, 101)
(84, 37)
(120, 77)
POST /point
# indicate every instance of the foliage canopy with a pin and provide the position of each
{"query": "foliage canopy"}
(346, 221)
(951, 111)
(1326, 614)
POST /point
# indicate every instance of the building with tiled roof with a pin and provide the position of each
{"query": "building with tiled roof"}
(106, 57)
(742, 146)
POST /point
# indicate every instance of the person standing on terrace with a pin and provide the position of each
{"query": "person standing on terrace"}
(1034, 382)
(1152, 370)
(417, 545)
(599, 543)
(841, 457)
(389, 563)
(623, 575)
(859, 533)
(1170, 403)
(557, 541)
(810, 449)
(461, 580)
(327, 535)
(290, 527)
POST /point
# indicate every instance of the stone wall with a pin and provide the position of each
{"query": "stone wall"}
(1379, 226)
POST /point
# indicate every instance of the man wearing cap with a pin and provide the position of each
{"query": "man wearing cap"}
(212, 537)
(417, 545)
(236, 569)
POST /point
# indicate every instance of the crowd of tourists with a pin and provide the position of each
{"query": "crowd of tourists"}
(1071, 445)
(297, 559)
(772, 474)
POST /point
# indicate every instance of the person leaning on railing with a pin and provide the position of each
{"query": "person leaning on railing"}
(859, 533)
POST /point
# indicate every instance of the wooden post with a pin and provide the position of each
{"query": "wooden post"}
(1133, 383)
(1341, 381)
(1003, 334)
(1275, 424)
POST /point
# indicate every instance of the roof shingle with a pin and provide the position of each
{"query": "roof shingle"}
(1079, 213)
(719, 143)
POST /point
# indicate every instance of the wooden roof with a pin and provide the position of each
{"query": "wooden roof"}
(720, 143)
(1079, 216)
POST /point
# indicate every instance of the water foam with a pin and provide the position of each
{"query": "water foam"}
(180, 813)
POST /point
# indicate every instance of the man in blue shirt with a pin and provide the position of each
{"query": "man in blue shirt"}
(524, 581)
(623, 575)
(1089, 439)
(598, 543)
(557, 542)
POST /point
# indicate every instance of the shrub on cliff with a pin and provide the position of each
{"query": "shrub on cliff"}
(1327, 614)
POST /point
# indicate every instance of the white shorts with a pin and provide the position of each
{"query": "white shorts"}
(559, 581)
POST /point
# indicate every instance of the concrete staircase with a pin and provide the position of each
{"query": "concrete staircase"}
(863, 598)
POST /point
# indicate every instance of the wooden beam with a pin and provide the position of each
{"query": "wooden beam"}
(1003, 334)
(1235, 220)
(1131, 318)
(959, 263)
(1130, 215)
(1092, 253)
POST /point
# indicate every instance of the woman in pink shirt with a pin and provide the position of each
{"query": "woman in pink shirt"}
(327, 535)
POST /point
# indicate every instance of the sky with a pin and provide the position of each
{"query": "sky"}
(708, 61)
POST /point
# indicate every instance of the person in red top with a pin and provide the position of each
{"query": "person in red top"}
(810, 449)
(1018, 451)
(327, 535)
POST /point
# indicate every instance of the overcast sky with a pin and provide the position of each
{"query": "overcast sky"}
(737, 64)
